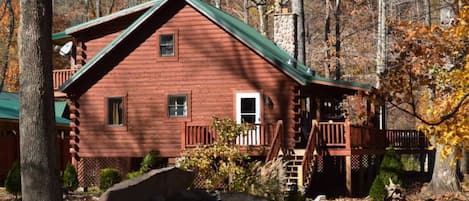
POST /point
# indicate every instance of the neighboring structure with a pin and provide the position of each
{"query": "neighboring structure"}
(152, 76)
(9, 132)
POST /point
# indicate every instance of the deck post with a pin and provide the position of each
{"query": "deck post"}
(348, 175)
(183, 136)
(348, 136)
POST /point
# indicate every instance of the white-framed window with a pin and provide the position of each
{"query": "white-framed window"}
(177, 105)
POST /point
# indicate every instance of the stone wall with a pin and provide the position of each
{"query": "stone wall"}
(285, 32)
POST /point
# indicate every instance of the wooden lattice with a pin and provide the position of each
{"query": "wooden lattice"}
(89, 168)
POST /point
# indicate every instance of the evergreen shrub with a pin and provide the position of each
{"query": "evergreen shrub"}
(70, 178)
(108, 177)
(391, 168)
(13, 180)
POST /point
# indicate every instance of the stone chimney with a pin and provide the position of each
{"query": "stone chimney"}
(285, 32)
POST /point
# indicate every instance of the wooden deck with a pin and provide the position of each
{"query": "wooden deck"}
(344, 139)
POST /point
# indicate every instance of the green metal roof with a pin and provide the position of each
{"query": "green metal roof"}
(243, 32)
(9, 108)
(110, 17)
(60, 36)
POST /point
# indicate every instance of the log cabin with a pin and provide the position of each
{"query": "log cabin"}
(151, 77)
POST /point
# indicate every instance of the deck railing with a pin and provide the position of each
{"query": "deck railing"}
(61, 75)
(332, 134)
(277, 141)
(407, 139)
(366, 137)
(347, 136)
(202, 134)
(307, 163)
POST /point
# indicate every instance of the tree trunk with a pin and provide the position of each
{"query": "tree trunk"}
(447, 13)
(6, 49)
(297, 8)
(98, 8)
(262, 17)
(327, 31)
(39, 171)
(428, 14)
(246, 11)
(444, 178)
(382, 39)
(217, 4)
(337, 39)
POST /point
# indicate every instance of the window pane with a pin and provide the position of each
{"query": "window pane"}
(248, 119)
(177, 106)
(248, 105)
(167, 45)
(115, 111)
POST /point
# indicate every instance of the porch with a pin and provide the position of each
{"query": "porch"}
(353, 153)
(262, 140)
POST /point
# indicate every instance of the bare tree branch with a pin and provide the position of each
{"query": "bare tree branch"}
(441, 119)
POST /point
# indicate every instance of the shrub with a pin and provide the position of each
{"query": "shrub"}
(70, 178)
(150, 161)
(108, 177)
(13, 180)
(391, 168)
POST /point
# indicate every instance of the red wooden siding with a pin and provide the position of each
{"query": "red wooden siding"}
(211, 67)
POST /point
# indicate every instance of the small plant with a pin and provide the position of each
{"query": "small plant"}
(13, 180)
(150, 161)
(391, 168)
(108, 177)
(70, 178)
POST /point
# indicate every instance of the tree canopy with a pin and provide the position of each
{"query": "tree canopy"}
(428, 77)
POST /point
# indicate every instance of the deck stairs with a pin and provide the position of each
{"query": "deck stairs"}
(294, 173)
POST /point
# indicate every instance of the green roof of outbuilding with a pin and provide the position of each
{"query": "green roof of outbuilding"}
(9, 108)
(238, 29)
(60, 36)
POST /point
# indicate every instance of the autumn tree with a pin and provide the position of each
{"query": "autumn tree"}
(428, 77)
(8, 48)
(39, 171)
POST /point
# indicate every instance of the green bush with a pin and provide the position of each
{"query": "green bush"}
(134, 174)
(391, 167)
(70, 178)
(13, 180)
(150, 161)
(108, 177)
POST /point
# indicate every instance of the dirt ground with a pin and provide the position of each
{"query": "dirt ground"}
(413, 193)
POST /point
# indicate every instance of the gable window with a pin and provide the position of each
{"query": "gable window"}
(167, 48)
(177, 105)
(115, 111)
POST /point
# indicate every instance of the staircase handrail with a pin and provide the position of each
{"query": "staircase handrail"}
(310, 151)
(276, 143)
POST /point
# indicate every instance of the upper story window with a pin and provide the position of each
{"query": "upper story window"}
(167, 42)
(115, 111)
(177, 105)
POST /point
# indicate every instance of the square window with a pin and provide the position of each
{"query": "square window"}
(167, 45)
(115, 111)
(177, 105)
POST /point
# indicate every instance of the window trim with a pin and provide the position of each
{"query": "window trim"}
(188, 116)
(108, 126)
(175, 34)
